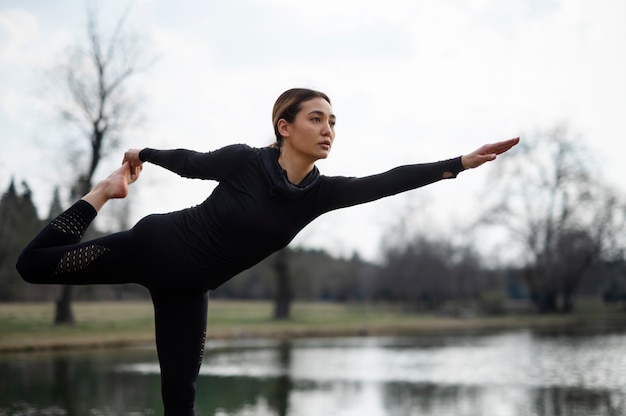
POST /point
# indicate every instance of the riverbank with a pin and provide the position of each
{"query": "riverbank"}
(28, 326)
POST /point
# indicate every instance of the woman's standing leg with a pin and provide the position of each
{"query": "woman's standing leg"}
(180, 324)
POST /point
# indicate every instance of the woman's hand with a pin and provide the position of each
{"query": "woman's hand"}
(132, 157)
(487, 153)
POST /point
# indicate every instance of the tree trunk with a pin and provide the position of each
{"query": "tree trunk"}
(547, 302)
(282, 300)
(568, 303)
(64, 314)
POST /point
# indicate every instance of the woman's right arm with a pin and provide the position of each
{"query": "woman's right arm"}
(214, 165)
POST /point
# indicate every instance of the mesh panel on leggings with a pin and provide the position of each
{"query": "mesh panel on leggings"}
(79, 259)
(71, 222)
(202, 348)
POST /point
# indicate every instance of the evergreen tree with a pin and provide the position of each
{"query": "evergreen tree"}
(18, 224)
(55, 206)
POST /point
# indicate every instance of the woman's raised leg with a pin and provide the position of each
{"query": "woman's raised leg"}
(56, 251)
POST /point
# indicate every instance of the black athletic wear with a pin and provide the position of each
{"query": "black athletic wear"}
(179, 256)
(255, 210)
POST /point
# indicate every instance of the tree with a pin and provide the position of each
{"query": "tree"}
(284, 294)
(56, 208)
(93, 98)
(424, 273)
(18, 223)
(561, 214)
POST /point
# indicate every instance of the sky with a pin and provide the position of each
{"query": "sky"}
(410, 81)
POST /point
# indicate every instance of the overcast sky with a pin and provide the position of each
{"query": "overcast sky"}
(410, 81)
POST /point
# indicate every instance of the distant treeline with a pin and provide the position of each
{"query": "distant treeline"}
(422, 273)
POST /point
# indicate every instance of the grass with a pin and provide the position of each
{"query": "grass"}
(28, 326)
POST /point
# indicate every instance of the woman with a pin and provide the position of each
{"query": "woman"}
(264, 198)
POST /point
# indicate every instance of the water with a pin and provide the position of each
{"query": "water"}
(518, 373)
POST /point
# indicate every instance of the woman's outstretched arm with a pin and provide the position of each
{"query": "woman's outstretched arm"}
(347, 191)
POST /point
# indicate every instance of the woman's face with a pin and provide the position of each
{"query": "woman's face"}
(312, 132)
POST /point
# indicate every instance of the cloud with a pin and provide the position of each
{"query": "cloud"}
(18, 32)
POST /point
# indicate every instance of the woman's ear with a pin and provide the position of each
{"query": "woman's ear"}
(283, 127)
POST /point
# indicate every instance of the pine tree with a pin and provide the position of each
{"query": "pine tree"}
(56, 207)
(18, 224)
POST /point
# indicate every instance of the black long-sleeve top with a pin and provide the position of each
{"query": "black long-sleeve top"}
(255, 210)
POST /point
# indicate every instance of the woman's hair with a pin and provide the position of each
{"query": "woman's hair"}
(289, 104)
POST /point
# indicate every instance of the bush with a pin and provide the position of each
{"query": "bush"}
(492, 303)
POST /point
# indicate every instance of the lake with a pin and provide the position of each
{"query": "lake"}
(517, 373)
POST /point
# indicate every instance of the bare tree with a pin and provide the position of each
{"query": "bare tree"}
(93, 98)
(560, 213)
(425, 273)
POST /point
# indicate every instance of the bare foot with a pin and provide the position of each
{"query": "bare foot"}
(115, 186)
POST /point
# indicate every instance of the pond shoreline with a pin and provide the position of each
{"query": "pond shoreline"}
(24, 328)
(445, 326)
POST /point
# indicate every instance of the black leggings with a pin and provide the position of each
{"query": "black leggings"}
(141, 255)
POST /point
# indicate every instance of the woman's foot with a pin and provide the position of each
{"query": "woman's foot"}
(115, 186)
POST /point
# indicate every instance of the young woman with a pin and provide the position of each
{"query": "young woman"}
(264, 198)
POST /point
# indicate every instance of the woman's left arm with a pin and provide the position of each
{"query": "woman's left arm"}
(341, 192)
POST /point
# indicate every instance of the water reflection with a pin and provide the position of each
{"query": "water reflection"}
(509, 374)
(75, 384)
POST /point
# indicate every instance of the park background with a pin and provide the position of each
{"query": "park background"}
(410, 83)
(534, 240)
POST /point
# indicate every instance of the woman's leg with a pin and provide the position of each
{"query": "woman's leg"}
(56, 255)
(180, 322)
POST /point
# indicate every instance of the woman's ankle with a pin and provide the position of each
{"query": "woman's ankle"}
(115, 186)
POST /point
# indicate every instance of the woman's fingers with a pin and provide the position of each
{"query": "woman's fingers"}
(503, 146)
(132, 156)
(487, 153)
